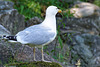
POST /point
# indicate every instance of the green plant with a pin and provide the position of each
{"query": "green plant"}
(31, 8)
(60, 4)
(28, 8)
(11, 60)
(97, 2)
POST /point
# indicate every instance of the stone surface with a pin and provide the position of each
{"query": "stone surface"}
(25, 53)
(83, 25)
(4, 31)
(84, 9)
(33, 21)
(6, 5)
(5, 53)
(10, 18)
(86, 48)
(84, 39)
(10, 52)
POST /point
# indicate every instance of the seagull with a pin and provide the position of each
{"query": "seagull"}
(40, 34)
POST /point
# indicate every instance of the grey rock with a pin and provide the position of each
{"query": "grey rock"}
(5, 53)
(10, 52)
(6, 5)
(85, 47)
(82, 49)
(89, 25)
(33, 21)
(4, 31)
(10, 18)
(84, 39)
(1, 65)
(25, 53)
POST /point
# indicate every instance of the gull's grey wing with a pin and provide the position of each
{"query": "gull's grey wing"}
(36, 35)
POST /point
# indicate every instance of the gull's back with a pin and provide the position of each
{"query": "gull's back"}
(36, 35)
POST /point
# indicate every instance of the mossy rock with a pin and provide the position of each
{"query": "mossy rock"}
(35, 64)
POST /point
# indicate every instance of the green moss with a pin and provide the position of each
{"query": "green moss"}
(35, 64)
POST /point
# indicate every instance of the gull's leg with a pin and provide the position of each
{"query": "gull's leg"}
(34, 53)
(42, 54)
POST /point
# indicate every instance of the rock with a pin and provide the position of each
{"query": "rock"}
(84, 39)
(81, 39)
(82, 12)
(25, 54)
(89, 25)
(85, 47)
(33, 21)
(10, 52)
(6, 5)
(80, 4)
(10, 18)
(84, 9)
(1, 65)
(5, 53)
(4, 31)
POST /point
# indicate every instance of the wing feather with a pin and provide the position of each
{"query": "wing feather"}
(36, 35)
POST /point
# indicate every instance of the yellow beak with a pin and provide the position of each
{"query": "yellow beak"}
(59, 11)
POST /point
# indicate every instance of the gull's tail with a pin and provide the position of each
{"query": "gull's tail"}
(9, 38)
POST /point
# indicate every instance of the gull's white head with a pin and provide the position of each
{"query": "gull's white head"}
(52, 10)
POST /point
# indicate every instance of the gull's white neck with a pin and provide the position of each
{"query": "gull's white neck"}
(50, 21)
